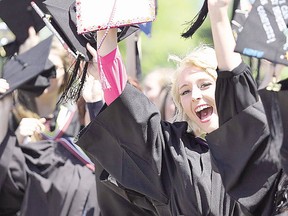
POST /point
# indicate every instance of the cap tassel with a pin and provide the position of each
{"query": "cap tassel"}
(75, 84)
(197, 21)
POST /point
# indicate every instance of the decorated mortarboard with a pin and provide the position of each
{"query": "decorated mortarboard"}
(61, 20)
(61, 17)
(265, 33)
(22, 68)
(19, 16)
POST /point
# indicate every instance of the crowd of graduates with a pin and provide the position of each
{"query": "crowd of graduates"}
(81, 136)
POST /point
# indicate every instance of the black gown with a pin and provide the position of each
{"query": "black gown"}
(160, 167)
(44, 178)
(109, 200)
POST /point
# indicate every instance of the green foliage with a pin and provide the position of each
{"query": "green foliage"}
(171, 21)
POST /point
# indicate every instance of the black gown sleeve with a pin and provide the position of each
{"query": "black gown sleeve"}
(109, 195)
(128, 144)
(94, 108)
(13, 179)
(241, 147)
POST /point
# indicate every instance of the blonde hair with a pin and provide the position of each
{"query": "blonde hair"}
(203, 57)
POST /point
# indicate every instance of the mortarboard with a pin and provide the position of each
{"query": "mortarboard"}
(241, 9)
(61, 20)
(19, 16)
(38, 84)
(22, 68)
(265, 33)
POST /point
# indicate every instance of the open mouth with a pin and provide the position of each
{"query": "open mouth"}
(204, 112)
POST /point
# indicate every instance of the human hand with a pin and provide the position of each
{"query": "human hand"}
(218, 4)
(93, 67)
(4, 85)
(29, 129)
(31, 41)
(92, 90)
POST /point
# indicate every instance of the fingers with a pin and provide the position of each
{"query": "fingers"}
(32, 32)
(92, 51)
(4, 86)
(31, 41)
(29, 126)
(93, 67)
(92, 91)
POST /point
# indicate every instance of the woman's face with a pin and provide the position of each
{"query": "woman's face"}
(197, 97)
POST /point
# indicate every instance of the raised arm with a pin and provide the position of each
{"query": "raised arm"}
(107, 43)
(111, 69)
(224, 42)
(241, 148)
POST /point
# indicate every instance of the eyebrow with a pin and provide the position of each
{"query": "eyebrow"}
(182, 86)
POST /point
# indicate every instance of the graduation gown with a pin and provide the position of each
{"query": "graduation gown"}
(44, 178)
(155, 162)
(275, 104)
(243, 148)
(110, 199)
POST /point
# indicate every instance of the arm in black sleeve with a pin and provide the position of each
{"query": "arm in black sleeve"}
(235, 91)
(241, 147)
(127, 140)
(94, 108)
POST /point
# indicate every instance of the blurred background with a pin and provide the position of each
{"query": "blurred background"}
(163, 37)
(165, 34)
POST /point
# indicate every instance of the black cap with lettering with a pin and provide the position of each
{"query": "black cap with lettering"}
(265, 33)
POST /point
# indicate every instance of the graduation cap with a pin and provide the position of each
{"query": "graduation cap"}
(241, 9)
(25, 67)
(265, 34)
(38, 84)
(19, 16)
(61, 20)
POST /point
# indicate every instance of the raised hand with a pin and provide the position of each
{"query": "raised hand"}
(92, 90)
(218, 3)
(29, 129)
(31, 41)
(4, 86)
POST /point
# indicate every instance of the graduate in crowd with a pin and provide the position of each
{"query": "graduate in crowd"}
(46, 177)
(157, 87)
(40, 116)
(110, 201)
(169, 169)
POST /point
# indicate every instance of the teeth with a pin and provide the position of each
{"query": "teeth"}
(201, 107)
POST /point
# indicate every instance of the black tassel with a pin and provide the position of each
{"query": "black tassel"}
(74, 85)
(197, 21)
